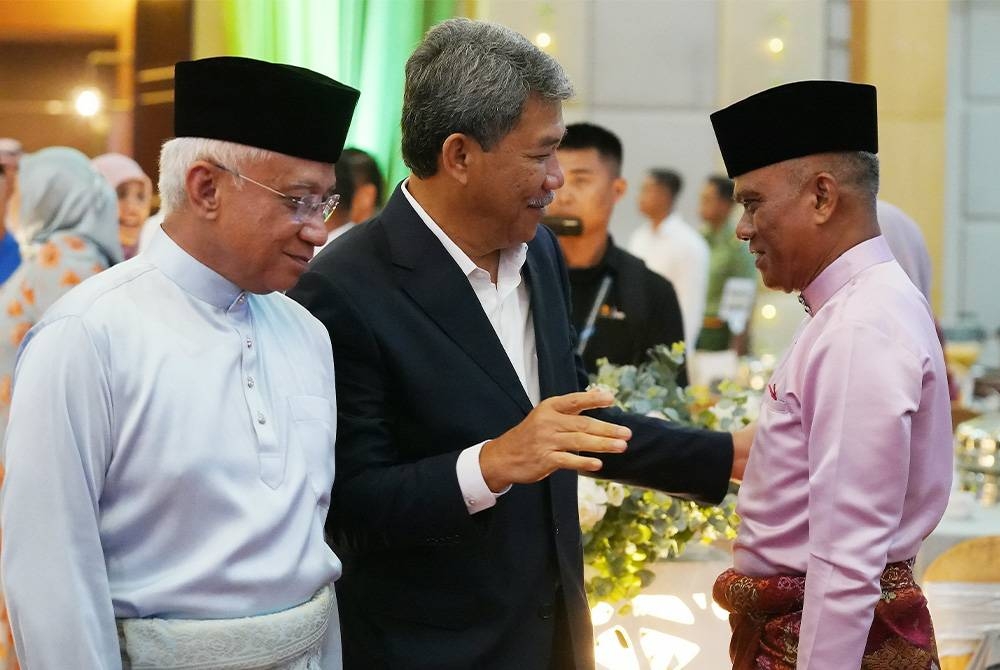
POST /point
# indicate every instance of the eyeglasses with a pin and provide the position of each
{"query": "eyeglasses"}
(306, 207)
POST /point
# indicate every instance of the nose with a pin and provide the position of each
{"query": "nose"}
(744, 230)
(554, 177)
(313, 231)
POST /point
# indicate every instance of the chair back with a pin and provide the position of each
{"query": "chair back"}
(962, 586)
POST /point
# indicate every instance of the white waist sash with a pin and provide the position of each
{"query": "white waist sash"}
(288, 640)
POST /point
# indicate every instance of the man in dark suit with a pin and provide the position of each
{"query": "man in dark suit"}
(621, 308)
(460, 425)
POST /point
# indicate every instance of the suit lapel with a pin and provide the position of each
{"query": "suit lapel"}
(430, 276)
(545, 313)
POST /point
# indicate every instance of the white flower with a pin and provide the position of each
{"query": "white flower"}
(593, 501)
(615, 494)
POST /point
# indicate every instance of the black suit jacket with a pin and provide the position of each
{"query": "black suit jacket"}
(421, 375)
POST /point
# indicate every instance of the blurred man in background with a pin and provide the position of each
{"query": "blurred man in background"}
(621, 308)
(728, 258)
(672, 248)
(360, 185)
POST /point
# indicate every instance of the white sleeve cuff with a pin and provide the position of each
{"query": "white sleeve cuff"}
(475, 492)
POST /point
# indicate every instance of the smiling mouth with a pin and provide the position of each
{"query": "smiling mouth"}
(302, 259)
(543, 202)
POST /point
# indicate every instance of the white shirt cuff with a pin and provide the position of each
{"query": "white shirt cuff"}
(475, 492)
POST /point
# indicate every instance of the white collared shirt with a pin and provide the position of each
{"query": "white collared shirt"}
(169, 454)
(679, 253)
(507, 304)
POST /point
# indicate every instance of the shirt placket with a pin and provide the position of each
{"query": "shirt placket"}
(262, 417)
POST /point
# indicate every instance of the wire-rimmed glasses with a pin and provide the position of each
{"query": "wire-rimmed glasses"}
(306, 206)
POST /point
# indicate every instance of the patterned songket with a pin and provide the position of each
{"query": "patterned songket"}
(765, 613)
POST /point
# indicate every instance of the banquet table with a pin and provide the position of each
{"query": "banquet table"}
(674, 623)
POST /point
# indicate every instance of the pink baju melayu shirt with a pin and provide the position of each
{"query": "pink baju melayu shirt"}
(851, 465)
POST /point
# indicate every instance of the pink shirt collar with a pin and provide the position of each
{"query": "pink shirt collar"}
(853, 261)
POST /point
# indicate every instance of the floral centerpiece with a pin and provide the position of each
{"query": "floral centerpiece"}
(626, 528)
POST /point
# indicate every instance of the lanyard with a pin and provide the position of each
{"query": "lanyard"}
(595, 309)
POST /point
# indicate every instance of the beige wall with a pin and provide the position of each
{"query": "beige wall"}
(900, 46)
(745, 64)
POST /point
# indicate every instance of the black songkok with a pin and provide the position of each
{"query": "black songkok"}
(281, 108)
(794, 120)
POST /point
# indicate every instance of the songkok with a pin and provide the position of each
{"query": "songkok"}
(794, 120)
(281, 108)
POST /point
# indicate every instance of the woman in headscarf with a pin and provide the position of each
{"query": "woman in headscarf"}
(66, 215)
(135, 196)
(67, 219)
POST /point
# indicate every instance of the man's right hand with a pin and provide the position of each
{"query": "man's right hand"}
(742, 442)
(547, 439)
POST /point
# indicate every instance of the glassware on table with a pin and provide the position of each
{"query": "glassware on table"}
(963, 344)
(977, 457)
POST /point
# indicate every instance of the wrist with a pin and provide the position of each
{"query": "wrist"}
(491, 466)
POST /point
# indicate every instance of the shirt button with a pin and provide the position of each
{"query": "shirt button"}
(250, 382)
(470, 501)
(249, 343)
(242, 299)
(546, 611)
(261, 419)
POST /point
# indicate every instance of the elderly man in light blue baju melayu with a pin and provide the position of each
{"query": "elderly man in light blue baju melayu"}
(170, 448)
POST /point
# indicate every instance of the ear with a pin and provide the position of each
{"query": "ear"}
(202, 189)
(826, 194)
(458, 152)
(618, 188)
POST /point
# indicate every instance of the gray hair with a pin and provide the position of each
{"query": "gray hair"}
(471, 77)
(857, 171)
(177, 156)
(860, 171)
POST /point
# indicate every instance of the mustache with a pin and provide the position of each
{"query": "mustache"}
(544, 201)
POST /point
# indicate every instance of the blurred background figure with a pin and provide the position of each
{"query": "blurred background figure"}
(67, 215)
(10, 151)
(135, 197)
(621, 308)
(10, 156)
(672, 248)
(728, 258)
(907, 244)
(361, 188)
(910, 249)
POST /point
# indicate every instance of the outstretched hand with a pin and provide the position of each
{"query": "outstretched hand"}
(545, 441)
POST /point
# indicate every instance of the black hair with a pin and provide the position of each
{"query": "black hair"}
(590, 136)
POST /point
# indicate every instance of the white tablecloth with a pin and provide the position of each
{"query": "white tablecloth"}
(674, 623)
